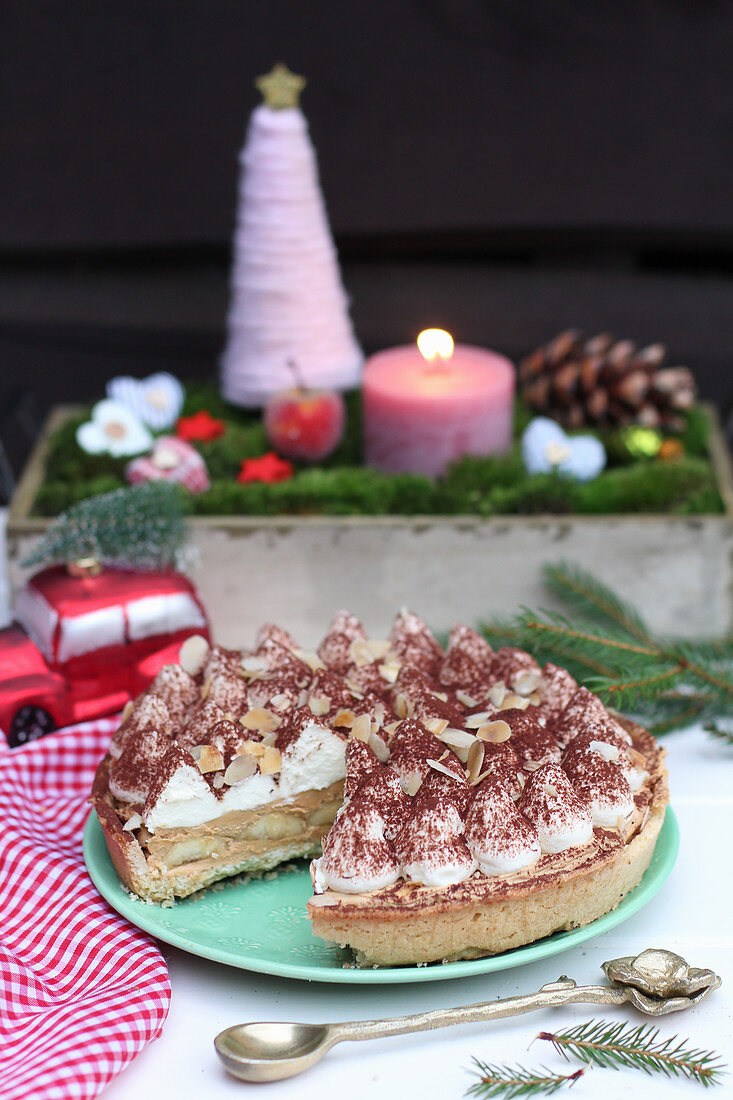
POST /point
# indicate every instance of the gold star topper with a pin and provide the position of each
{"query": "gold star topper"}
(280, 88)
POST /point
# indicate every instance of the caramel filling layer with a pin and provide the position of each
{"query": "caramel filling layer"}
(236, 836)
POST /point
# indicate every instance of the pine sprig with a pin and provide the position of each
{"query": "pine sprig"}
(608, 648)
(723, 733)
(624, 1045)
(594, 600)
(511, 1081)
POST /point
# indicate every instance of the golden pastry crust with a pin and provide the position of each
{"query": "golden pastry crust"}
(408, 923)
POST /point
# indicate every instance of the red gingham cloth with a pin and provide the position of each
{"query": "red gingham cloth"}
(82, 991)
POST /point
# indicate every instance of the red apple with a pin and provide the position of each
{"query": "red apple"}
(305, 424)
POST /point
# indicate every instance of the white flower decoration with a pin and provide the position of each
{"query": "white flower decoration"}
(113, 430)
(156, 400)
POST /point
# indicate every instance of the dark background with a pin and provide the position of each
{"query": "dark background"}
(501, 168)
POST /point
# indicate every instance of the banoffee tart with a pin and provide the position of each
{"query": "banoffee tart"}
(470, 801)
(509, 804)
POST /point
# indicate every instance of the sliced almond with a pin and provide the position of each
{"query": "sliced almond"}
(133, 822)
(458, 740)
(359, 653)
(241, 768)
(126, 711)
(494, 732)
(608, 752)
(413, 783)
(497, 692)
(389, 671)
(309, 658)
(379, 647)
(319, 705)
(438, 766)
(466, 699)
(436, 725)
(210, 760)
(206, 687)
(269, 738)
(526, 681)
(401, 706)
(193, 654)
(252, 748)
(391, 729)
(362, 728)
(451, 736)
(531, 765)
(218, 781)
(281, 701)
(253, 665)
(475, 761)
(344, 719)
(260, 719)
(271, 762)
(379, 747)
(514, 702)
(475, 720)
(535, 699)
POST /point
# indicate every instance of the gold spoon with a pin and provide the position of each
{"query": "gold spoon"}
(655, 982)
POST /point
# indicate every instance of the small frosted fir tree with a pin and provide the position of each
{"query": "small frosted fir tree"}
(141, 528)
(287, 299)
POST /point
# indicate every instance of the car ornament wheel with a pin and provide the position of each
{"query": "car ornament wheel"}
(29, 724)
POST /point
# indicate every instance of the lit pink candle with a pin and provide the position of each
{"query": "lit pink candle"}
(428, 404)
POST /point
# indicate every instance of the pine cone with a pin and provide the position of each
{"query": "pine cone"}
(605, 383)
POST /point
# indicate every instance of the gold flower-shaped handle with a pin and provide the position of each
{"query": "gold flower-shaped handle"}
(659, 981)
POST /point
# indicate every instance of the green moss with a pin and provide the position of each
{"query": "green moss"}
(484, 486)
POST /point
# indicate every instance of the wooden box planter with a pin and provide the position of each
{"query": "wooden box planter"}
(298, 570)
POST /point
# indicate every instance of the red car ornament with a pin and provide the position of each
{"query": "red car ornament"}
(80, 647)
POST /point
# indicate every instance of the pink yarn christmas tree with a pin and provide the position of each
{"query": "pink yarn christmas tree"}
(287, 298)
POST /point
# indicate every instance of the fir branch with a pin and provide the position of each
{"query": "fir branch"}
(624, 1045)
(594, 600)
(666, 681)
(623, 692)
(555, 624)
(663, 718)
(716, 730)
(517, 634)
(694, 667)
(510, 1081)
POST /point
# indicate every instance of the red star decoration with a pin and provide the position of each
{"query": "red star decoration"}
(268, 467)
(202, 427)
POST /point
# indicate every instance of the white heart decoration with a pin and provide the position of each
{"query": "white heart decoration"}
(156, 400)
(546, 447)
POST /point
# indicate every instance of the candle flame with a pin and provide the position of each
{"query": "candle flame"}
(435, 345)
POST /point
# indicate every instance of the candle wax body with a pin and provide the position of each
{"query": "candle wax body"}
(419, 418)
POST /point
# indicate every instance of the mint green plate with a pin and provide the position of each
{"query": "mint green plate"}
(262, 925)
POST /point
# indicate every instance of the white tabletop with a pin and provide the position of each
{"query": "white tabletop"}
(691, 915)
